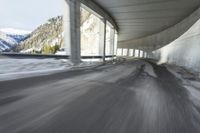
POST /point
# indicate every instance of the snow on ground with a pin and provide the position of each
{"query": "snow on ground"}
(21, 68)
(190, 80)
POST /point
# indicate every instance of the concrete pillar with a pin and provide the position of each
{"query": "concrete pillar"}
(128, 50)
(143, 54)
(138, 53)
(112, 41)
(104, 51)
(133, 52)
(101, 37)
(102, 43)
(72, 30)
(147, 55)
(122, 52)
(115, 42)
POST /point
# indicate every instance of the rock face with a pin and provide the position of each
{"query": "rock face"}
(46, 39)
(90, 34)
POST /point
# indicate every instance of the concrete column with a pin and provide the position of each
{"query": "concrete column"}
(127, 52)
(101, 37)
(72, 30)
(112, 41)
(147, 55)
(115, 42)
(138, 53)
(104, 50)
(102, 43)
(143, 54)
(122, 52)
(133, 52)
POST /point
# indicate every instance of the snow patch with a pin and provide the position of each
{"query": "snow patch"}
(13, 31)
(21, 68)
(149, 69)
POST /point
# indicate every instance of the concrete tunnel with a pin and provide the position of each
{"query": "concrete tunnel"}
(149, 26)
(151, 86)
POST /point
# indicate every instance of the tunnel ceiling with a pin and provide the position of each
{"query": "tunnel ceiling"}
(139, 18)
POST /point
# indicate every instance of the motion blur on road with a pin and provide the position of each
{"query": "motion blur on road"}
(125, 96)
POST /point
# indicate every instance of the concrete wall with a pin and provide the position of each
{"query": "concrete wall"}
(184, 51)
(156, 41)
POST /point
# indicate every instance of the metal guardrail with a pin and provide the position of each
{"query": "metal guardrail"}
(20, 55)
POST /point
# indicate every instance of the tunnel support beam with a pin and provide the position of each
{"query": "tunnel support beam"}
(101, 38)
(128, 51)
(102, 43)
(143, 54)
(72, 30)
(112, 41)
(133, 53)
(139, 53)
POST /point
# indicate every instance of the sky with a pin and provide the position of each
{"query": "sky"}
(28, 14)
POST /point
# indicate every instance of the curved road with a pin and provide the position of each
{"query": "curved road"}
(124, 97)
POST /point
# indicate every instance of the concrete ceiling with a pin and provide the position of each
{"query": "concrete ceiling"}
(139, 18)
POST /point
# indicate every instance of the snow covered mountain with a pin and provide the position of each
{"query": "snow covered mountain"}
(19, 38)
(6, 42)
(10, 38)
(46, 39)
(12, 31)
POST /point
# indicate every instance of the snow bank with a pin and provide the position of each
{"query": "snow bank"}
(21, 68)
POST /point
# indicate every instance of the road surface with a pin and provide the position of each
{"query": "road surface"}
(124, 97)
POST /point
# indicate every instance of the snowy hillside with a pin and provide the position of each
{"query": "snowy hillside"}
(19, 38)
(6, 42)
(46, 39)
(9, 38)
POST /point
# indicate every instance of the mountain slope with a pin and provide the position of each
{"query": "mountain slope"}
(49, 37)
(46, 39)
(19, 38)
(9, 39)
(6, 42)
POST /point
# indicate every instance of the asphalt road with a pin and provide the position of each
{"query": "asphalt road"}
(126, 97)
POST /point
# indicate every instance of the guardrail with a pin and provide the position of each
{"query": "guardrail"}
(20, 55)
